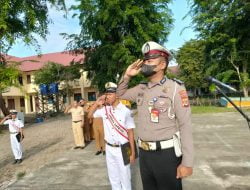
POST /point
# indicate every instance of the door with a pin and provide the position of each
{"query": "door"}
(11, 104)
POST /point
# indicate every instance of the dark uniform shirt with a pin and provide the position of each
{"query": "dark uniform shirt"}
(170, 98)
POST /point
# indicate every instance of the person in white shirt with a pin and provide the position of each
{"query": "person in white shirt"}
(118, 129)
(16, 134)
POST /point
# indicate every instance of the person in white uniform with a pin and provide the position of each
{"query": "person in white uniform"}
(16, 134)
(118, 129)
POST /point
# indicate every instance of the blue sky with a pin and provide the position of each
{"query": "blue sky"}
(55, 42)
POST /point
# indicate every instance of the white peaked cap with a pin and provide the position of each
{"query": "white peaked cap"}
(13, 111)
(110, 87)
(152, 50)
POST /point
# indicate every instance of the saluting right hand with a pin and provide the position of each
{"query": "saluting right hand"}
(134, 68)
(101, 100)
(7, 117)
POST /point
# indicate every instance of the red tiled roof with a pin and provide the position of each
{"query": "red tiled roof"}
(34, 63)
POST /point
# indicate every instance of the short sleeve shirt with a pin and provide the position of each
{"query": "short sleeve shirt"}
(122, 115)
(77, 113)
(14, 125)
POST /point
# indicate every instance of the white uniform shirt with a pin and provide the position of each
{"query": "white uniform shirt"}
(122, 115)
(14, 125)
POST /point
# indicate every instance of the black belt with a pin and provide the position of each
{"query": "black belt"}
(76, 121)
(113, 145)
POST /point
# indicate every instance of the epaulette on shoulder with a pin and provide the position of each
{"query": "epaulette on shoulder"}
(144, 82)
(178, 81)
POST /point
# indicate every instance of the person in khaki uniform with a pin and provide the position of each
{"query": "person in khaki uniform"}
(87, 129)
(87, 122)
(164, 121)
(77, 124)
(99, 135)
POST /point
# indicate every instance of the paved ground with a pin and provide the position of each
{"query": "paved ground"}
(43, 143)
(222, 159)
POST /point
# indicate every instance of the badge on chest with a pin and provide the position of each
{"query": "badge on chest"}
(153, 111)
(160, 105)
(154, 115)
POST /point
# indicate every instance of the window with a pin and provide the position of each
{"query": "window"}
(20, 80)
(22, 103)
(11, 104)
(91, 96)
(77, 96)
(28, 79)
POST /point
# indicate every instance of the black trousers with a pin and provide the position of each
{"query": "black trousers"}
(158, 170)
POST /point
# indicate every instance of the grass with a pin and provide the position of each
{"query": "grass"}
(20, 175)
(213, 109)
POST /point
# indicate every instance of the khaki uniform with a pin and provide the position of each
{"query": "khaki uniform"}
(175, 114)
(99, 134)
(77, 117)
(86, 127)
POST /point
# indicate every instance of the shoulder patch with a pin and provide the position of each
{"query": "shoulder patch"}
(178, 81)
(184, 98)
(143, 85)
(144, 82)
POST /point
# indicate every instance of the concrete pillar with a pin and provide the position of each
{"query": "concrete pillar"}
(27, 104)
(34, 103)
(81, 81)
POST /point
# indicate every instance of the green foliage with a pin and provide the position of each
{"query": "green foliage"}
(113, 32)
(8, 77)
(50, 73)
(191, 59)
(245, 79)
(210, 109)
(53, 72)
(224, 26)
(21, 19)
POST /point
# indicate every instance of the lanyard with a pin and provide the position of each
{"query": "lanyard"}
(117, 126)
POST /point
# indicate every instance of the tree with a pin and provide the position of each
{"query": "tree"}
(113, 32)
(23, 20)
(8, 77)
(55, 73)
(224, 27)
(49, 73)
(191, 59)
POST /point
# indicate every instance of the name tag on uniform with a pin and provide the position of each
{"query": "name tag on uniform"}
(154, 115)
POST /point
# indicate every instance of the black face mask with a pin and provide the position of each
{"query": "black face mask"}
(148, 70)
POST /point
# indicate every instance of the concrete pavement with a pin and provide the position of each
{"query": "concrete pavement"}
(222, 161)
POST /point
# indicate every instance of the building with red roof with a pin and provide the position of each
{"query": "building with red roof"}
(26, 98)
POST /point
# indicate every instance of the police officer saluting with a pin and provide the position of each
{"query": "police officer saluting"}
(164, 121)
